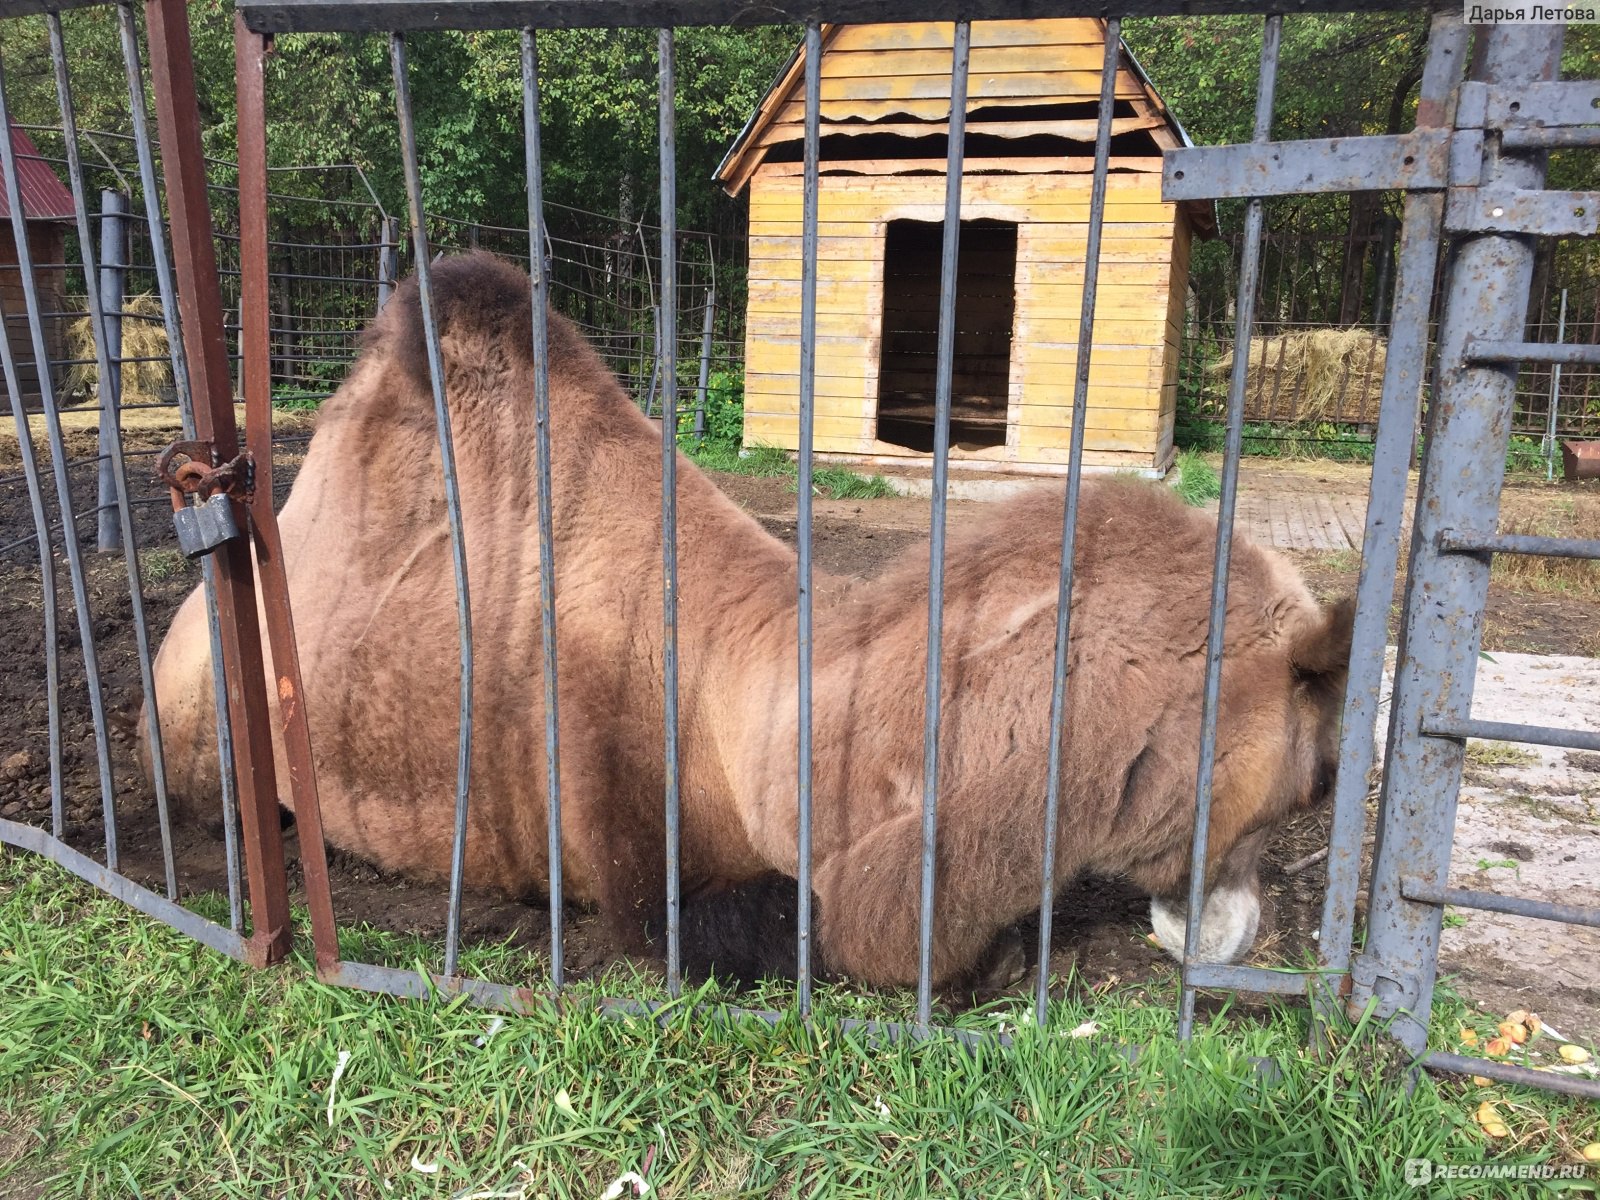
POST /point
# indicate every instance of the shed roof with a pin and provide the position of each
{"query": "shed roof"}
(876, 77)
(44, 197)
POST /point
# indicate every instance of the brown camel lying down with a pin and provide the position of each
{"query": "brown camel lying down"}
(374, 605)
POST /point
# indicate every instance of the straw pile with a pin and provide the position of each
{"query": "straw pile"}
(1311, 376)
(144, 338)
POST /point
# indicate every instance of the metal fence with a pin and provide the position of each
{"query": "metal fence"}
(1321, 336)
(1488, 201)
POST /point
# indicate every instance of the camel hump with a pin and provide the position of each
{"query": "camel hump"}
(476, 297)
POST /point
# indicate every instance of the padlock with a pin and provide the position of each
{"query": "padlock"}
(203, 527)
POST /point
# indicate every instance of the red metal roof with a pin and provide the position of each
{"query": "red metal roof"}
(44, 197)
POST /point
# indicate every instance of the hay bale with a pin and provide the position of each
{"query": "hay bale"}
(144, 338)
(1311, 376)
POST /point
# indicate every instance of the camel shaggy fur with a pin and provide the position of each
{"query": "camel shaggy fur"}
(368, 557)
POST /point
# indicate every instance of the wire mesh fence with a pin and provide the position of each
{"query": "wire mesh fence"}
(1316, 362)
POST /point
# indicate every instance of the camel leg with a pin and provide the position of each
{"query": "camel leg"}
(870, 896)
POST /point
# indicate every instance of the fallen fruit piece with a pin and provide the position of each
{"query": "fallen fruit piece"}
(1514, 1030)
(1488, 1116)
(1498, 1047)
(1534, 1024)
(1520, 1017)
(1469, 1037)
(1573, 1054)
(1481, 1081)
(1591, 1152)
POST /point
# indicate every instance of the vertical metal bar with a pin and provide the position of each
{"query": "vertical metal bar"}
(1249, 278)
(808, 413)
(667, 88)
(705, 365)
(452, 491)
(944, 370)
(255, 352)
(110, 372)
(113, 272)
(655, 359)
(58, 456)
(199, 297)
(47, 576)
(388, 260)
(1069, 525)
(1486, 299)
(541, 448)
(1555, 396)
(155, 225)
(1403, 372)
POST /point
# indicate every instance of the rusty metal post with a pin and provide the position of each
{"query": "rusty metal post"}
(206, 344)
(250, 58)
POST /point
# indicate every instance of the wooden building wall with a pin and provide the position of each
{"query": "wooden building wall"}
(47, 244)
(1138, 321)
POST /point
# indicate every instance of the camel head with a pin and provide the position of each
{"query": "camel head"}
(1280, 757)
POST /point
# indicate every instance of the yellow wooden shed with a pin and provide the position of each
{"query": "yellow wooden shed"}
(1033, 96)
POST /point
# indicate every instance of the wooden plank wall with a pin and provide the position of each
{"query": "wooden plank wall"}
(1132, 375)
(47, 245)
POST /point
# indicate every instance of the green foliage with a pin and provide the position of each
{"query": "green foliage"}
(1194, 479)
(297, 399)
(330, 99)
(1341, 443)
(724, 413)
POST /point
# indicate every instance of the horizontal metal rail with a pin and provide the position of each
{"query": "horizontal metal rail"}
(169, 912)
(1512, 906)
(1523, 211)
(1565, 353)
(312, 16)
(1536, 137)
(1563, 102)
(1504, 731)
(1504, 1072)
(1418, 161)
(1451, 542)
(1233, 977)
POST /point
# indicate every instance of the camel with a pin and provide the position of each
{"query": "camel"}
(368, 557)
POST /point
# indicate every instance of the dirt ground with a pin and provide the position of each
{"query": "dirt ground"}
(1100, 924)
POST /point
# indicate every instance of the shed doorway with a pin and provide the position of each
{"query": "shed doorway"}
(986, 281)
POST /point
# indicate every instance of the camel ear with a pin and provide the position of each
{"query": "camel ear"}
(1322, 648)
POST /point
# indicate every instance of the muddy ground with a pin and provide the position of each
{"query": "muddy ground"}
(1100, 925)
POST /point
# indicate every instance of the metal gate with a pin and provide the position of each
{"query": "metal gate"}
(1472, 171)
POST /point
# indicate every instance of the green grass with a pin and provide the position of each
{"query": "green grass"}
(836, 483)
(136, 1063)
(839, 484)
(1194, 479)
(161, 564)
(1334, 442)
(298, 399)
